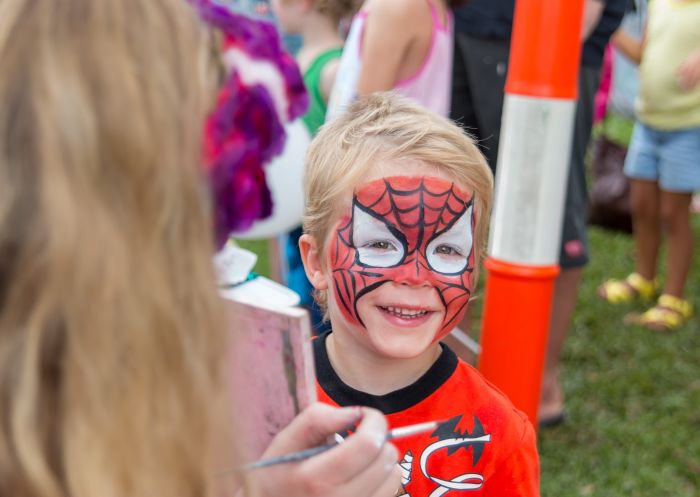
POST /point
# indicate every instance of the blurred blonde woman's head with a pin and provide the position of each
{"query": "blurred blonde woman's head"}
(292, 14)
(386, 127)
(337, 9)
(109, 319)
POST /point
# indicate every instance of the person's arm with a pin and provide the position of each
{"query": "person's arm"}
(327, 81)
(689, 71)
(592, 10)
(628, 46)
(364, 465)
(390, 29)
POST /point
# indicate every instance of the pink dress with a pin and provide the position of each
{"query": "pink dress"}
(429, 86)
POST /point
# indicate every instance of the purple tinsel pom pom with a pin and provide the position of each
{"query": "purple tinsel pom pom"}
(245, 132)
(242, 134)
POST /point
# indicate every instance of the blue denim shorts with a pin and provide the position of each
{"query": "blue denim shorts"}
(671, 158)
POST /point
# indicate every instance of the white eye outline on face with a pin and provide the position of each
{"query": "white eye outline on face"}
(376, 243)
(448, 252)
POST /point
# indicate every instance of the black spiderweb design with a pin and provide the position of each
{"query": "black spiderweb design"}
(414, 224)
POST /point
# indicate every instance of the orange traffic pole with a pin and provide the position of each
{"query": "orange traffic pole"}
(533, 158)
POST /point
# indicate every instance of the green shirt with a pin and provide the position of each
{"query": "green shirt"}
(316, 115)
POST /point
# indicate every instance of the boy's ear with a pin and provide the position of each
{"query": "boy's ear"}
(312, 259)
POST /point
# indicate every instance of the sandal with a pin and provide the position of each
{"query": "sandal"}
(668, 314)
(634, 287)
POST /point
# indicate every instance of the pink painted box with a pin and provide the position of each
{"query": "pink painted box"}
(270, 372)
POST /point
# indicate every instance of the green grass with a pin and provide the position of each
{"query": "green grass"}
(632, 396)
(260, 247)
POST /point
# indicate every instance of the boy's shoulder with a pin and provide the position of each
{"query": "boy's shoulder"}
(467, 387)
(499, 439)
(483, 392)
(483, 433)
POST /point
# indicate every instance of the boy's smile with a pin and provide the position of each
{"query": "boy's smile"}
(399, 320)
(402, 259)
(402, 306)
(405, 315)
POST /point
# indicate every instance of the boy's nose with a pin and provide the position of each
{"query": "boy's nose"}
(412, 273)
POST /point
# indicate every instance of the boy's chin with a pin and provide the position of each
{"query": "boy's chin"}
(401, 343)
(400, 346)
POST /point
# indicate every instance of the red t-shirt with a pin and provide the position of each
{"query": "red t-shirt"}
(488, 448)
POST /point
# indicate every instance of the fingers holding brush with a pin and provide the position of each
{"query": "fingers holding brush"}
(313, 427)
(366, 450)
(359, 467)
(382, 479)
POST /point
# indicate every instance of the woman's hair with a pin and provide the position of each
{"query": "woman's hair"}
(383, 127)
(110, 333)
(337, 9)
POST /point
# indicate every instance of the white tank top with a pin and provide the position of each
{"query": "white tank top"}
(430, 86)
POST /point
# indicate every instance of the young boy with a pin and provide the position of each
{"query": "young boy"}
(397, 209)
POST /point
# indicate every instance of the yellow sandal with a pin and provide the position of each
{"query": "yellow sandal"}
(634, 287)
(668, 314)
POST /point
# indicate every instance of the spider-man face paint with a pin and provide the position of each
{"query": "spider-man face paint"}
(415, 231)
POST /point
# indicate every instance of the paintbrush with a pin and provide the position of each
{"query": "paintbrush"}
(396, 433)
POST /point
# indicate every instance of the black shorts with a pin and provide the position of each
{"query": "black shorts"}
(478, 79)
(574, 237)
(479, 75)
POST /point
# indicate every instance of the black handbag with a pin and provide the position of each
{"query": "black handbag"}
(609, 199)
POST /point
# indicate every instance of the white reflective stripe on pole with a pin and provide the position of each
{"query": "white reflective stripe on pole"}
(531, 179)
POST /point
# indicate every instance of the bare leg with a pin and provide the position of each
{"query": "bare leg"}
(563, 306)
(675, 216)
(645, 199)
(695, 203)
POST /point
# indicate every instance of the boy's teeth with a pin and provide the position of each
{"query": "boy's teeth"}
(405, 313)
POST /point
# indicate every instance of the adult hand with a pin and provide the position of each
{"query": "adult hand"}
(689, 71)
(364, 465)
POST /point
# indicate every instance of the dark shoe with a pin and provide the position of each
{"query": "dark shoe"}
(552, 421)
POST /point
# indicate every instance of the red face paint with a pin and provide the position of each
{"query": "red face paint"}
(407, 230)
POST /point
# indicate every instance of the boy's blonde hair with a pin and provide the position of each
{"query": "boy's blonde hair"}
(110, 324)
(385, 126)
